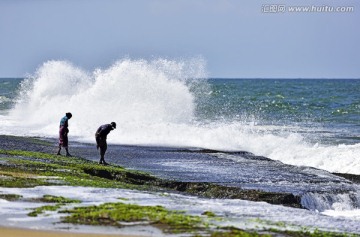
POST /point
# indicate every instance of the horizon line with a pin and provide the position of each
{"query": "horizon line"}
(254, 78)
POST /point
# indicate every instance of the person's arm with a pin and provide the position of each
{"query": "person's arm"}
(99, 131)
(66, 125)
(97, 136)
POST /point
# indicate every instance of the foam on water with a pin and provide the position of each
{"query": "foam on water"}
(238, 213)
(154, 103)
(340, 204)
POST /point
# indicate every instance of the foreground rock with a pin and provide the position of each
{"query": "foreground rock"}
(30, 162)
(208, 173)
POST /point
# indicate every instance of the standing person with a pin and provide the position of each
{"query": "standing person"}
(63, 133)
(100, 136)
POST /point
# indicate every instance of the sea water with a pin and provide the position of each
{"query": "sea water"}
(312, 122)
(232, 212)
(160, 102)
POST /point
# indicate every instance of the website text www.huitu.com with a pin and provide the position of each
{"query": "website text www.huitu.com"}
(281, 8)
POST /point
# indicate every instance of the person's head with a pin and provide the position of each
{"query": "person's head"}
(113, 125)
(68, 115)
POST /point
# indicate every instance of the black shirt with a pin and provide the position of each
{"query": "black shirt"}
(104, 130)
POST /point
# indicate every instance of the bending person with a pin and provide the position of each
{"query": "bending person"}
(100, 136)
(63, 134)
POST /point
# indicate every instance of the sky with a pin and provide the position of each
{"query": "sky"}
(236, 38)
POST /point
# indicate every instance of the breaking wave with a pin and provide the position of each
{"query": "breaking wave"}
(154, 102)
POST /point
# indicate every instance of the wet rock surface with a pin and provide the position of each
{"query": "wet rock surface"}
(213, 173)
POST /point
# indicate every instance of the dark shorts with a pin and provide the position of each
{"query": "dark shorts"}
(101, 142)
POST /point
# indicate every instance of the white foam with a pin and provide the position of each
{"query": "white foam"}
(351, 214)
(238, 213)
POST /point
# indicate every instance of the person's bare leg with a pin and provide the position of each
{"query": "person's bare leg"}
(102, 155)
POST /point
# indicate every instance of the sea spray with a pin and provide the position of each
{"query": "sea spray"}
(137, 94)
(48, 93)
(161, 102)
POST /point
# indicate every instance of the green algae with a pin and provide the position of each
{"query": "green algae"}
(42, 209)
(208, 214)
(10, 197)
(13, 180)
(58, 200)
(29, 140)
(233, 232)
(116, 214)
(286, 229)
(315, 233)
(72, 171)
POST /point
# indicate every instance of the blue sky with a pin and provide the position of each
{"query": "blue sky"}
(236, 39)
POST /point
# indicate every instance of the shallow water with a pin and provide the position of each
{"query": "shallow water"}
(241, 214)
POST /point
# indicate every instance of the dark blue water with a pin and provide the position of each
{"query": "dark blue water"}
(331, 104)
(278, 101)
(8, 92)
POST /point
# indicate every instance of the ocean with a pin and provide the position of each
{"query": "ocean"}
(167, 111)
(302, 122)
